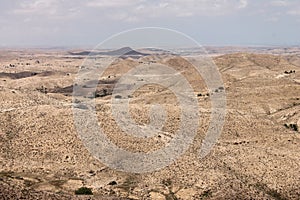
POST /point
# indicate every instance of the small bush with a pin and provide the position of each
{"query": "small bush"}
(112, 183)
(295, 127)
(167, 182)
(292, 126)
(84, 191)
(206, 193)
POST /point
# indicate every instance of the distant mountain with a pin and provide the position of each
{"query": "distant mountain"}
(123, 52)
(81, 53)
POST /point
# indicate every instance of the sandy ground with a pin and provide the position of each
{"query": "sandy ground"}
(256, 157)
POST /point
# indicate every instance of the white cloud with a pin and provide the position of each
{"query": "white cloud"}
(295, 11)
(110, 3)
(280, 3)
(272, 19)
(126, 10)
(275, 17)
(55, 9)
(288, 7)
(37, 7)
(141, 9)
(243, 4)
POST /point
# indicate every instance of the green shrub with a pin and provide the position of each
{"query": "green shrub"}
(84, 191)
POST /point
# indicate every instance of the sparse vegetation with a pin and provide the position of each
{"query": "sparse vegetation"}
(42, 89)
(39, 142)
(171, 195)
(129, 184)
(292, 126)
(203, 95)
(112, 183)
(104, 92)
(84, 191)
(206, 194)
(290, 72)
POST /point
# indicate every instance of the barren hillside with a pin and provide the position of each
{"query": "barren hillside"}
(256, 157)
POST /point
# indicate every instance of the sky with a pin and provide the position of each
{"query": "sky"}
(70, 23)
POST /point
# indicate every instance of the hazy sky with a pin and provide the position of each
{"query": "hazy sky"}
(210, 22)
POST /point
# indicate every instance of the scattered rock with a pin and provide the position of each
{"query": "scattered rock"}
(157, 196)
(186, 193)
(72, 183)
